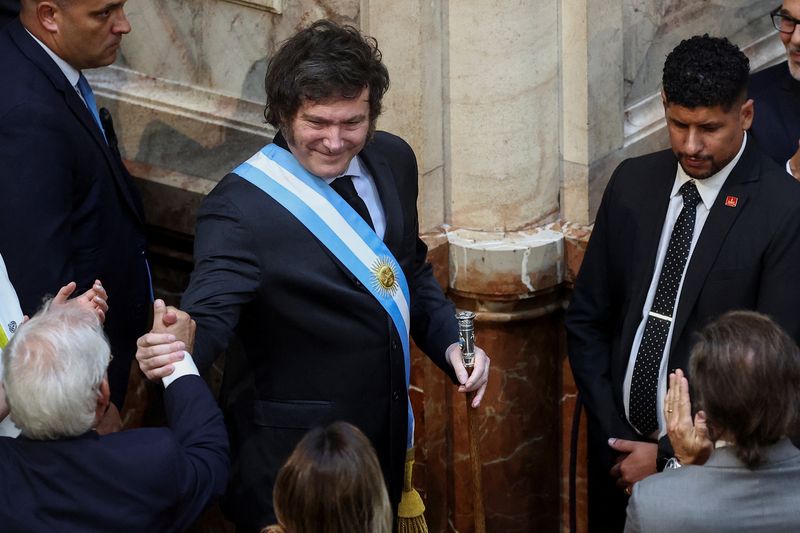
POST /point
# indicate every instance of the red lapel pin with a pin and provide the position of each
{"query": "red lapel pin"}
(731, 201)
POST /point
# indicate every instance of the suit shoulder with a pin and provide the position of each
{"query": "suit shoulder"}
(232, 193)
(780, 186)
(635, 173)
(654, 488)
(661, 157)
(389, 143)
(768, 81)
(29, 82)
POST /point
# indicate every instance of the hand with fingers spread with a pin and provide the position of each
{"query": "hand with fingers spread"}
(158, 350)
(690, 441)
(475, 381)
(94, 300)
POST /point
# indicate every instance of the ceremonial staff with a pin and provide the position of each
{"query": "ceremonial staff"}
(466, 334)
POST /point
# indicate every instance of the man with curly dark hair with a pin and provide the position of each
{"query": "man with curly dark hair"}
(681, 236)
(310, 253)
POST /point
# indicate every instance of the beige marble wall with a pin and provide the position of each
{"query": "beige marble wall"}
(217, 44)
(592, 104)
(411, 39)
(654, 27)
(502, 120)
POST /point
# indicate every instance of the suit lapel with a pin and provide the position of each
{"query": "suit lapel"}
(39, 57)
(718, 224)
(789, 104)
(390, 199)
(654, 206)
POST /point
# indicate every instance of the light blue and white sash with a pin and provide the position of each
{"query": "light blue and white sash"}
(331, 219)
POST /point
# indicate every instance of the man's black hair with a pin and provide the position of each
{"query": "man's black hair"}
(706, 71)
(325, 60)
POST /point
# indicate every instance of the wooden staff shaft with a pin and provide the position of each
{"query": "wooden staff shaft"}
(475, 464)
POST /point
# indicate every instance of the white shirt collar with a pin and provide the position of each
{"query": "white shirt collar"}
(69, 71)
(353, 169)
(709, 187)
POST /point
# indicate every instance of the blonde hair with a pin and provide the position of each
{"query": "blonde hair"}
(332, 483)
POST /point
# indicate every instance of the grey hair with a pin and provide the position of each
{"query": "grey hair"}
(53, 369)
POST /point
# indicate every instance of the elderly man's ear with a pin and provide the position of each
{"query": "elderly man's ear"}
(101, 413)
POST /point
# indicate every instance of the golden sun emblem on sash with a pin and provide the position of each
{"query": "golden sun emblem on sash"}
(384, 277)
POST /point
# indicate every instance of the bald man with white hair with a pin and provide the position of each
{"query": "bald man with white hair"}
(61, 475)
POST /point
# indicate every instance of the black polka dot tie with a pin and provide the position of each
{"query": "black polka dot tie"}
(644, 384)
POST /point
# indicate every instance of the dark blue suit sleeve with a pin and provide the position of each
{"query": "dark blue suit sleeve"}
(226, 276)
(203, 461)
(433, 323)
(594, 314)
(779, 289)
(37, 188)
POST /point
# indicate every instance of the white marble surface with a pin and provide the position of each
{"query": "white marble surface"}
(654, 27)
(502, 96)
(506, 263)
(215, 44)
(410, 38)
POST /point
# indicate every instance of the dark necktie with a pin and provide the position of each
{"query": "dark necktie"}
(344, 186)
(644, 384)
(88, 97)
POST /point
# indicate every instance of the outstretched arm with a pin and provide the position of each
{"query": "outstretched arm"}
(159, 351)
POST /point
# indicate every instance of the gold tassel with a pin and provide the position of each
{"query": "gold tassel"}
(411, 511)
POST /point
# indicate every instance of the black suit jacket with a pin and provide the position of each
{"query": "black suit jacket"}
(9, 9)
(318, 346)
(154, 479)
(746, 257)
(776, 121)
(70, 209)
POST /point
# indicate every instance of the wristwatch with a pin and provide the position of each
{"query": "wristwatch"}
(672, 464)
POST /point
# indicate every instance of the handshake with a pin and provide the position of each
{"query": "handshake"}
(165, 345)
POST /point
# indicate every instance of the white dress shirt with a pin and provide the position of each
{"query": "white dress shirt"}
(184, 367)
(368, 191)
(709, 189)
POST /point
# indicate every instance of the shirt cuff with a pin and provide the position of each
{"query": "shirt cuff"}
(185, 367)
(789, 168)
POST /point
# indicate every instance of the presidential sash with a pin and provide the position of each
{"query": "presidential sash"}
(340, 229)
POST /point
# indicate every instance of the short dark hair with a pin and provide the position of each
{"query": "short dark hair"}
(325, 60)
(706, 71)
(332, 483)
(745, 374)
